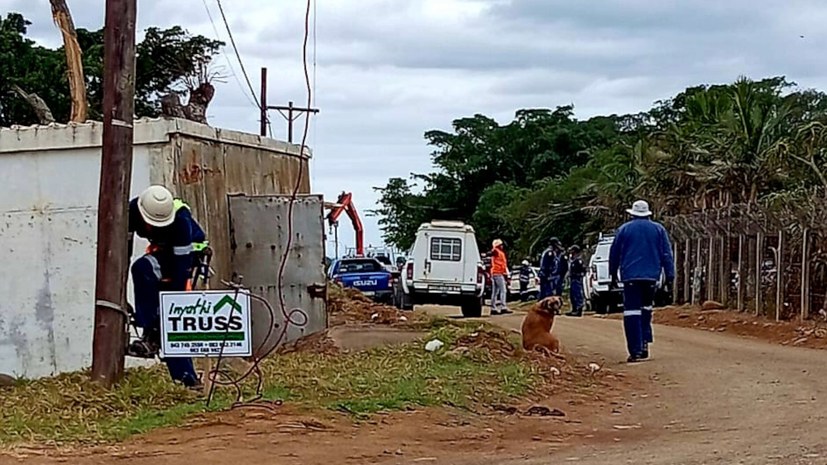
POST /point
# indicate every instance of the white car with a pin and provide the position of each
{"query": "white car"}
(444, 268)
(533, 289)
(597, 282)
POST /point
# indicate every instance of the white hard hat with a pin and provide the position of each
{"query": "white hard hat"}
(157, 206)
(497, 242)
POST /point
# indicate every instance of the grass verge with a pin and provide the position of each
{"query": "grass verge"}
(474, 367)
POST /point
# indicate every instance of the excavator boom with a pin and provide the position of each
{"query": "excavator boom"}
(345, 205)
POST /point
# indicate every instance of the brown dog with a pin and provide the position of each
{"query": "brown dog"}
(537, 326)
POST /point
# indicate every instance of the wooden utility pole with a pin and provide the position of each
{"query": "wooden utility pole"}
(290, 109)
(263, 102)
(109, 344)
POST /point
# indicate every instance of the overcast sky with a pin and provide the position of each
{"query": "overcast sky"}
(388, 70)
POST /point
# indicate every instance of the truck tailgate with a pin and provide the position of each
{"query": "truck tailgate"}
(368, 283)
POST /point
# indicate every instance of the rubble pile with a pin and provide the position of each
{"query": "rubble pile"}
(349, 306)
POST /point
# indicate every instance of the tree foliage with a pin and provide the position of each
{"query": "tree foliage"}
(546, 173)
(167, 60)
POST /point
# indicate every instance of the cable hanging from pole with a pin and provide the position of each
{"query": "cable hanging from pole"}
(237, 54)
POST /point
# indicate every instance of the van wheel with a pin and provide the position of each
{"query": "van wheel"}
(472, 308)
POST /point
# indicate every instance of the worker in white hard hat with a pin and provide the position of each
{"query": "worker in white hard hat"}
(173, 235)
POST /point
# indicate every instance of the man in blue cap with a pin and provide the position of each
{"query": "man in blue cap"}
(640, 252)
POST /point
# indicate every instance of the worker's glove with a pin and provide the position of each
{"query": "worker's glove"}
(614, 284)
(668, 286)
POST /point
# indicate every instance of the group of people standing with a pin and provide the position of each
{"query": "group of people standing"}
(555, 265)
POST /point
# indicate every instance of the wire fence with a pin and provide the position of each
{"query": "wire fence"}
(770, 260)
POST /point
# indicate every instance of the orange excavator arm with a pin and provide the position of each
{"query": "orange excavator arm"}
(345, 205)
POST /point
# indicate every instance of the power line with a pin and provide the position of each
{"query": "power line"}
(313, 93)
(229, 63)
(238, 55)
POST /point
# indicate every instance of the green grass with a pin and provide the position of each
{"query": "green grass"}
(70, 409)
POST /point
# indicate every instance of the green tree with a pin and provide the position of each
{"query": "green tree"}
(168, 60)
(547, 174)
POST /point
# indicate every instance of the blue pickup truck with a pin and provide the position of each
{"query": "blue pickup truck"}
(368, 275)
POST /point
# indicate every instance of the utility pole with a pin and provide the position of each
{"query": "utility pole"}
(263, 102)
(109, 343)
(290, 109)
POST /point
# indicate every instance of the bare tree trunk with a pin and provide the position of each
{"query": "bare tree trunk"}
(74, 60)
(44, 114)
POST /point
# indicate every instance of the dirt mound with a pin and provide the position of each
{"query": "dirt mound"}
(320, 343)
(491, 344)
(712, 305)
(812, 334)
(349, 306)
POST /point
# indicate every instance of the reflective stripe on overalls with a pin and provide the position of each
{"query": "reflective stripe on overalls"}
(184, 250)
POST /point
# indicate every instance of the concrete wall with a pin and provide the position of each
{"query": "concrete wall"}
(48, 221)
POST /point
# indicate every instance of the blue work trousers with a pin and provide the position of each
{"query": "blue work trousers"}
(578, 300)
(557, 284)
(638, 301)
(146, 280)
(545, 288)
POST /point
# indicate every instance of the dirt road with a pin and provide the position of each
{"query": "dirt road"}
(704, 398)
(713, 398)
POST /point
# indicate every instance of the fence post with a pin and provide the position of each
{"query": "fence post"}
(696, 274)
(710, 270)
(805, 276)
(779, 276)
(675, 251)
(687, 262)
(723, 286)
(759, 261)
(740, 286)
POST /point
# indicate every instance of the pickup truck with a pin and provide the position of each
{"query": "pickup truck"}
(367, 275)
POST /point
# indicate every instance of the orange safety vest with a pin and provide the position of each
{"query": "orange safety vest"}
(499, 264)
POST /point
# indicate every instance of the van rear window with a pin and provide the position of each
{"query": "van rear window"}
(446, 249)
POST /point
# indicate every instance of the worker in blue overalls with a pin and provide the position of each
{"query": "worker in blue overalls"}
(173, 236)
(548, 263)
(640, 252)
(561, 269)
(577, 271)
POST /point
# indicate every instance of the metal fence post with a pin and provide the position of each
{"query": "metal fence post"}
(740, 285)
(687, 262)
(805, 276)
(759, 261)
(779, 276)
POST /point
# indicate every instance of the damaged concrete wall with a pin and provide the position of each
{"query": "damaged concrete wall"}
(48, 221)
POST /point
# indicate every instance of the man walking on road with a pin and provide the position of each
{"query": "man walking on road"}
(641, 251)
(499, 271)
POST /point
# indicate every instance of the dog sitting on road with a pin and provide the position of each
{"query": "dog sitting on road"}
(536, 329)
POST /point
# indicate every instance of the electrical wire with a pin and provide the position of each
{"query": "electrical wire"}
(296, 316)
(237, 54)
(313, 160)
(229, 63)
